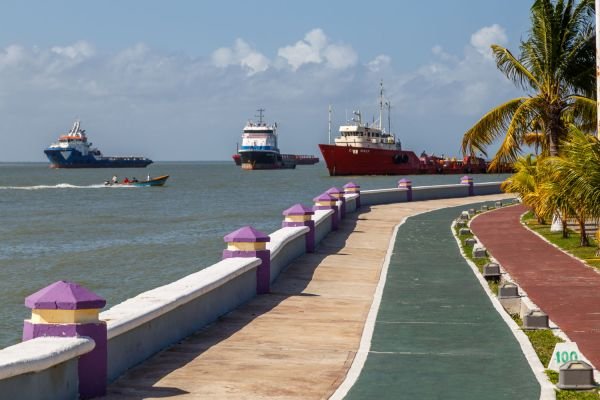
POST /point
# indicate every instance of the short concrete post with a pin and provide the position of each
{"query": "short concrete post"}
(66, 309)
(576, 375)
(327, 202)
(299, 215)
(338, 195)
(353, 188)
(406, 184)
(467, 180)
(249, 242)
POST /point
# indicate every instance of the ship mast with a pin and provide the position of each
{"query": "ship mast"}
(260, 115)
(329, 124)
(381, 105)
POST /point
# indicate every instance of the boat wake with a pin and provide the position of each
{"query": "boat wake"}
(62, 186)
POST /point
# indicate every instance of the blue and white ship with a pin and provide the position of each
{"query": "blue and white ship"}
(259, 147)
(74, 151)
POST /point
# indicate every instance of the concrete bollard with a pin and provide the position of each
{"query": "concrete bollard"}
(479, 251)
(498, 204)
(471, 212)
(470, 241)
(484, 207)
(327, 202)
(576, 375)
(249, 242)
(467, 180)
(407, 185)
(464, 231)
(299, 215)
(66, 309)
(352, 188)
(491, 271)
(338, 195)
(535, 319)
(508, 295)
(464, 215)
(460, 223)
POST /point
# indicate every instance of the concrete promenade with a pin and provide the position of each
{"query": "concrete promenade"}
(298, 341)
(563, 287)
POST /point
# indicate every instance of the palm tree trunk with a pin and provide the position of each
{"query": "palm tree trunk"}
(584, 239)
(555, 129)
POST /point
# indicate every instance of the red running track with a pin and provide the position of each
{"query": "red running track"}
(564, 288)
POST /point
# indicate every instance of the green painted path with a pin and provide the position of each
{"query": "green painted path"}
(437, 335)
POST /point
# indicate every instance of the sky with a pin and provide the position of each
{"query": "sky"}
(178, 80)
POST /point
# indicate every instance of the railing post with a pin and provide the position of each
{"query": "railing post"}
(339, 195)
(406, 184)
(352, 188)
(249, 242)
(66, 309)
(467, 180)
(327, 202)
(299, 215)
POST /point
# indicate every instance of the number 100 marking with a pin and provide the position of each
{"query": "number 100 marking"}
(565, 356)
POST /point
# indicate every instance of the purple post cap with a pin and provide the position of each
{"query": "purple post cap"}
(246, 234)
(64, 295)
(298, 209)
(351, 185)
(404, 180)
(466, 178)
(333, 190)
(324, 197)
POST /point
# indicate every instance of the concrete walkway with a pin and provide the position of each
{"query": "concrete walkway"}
(563, 287)
(437, 335)
(297, 342)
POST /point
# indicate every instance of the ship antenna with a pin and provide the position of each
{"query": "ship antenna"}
(330, 124)
(260, 115)
(381, 105)
(389, 107)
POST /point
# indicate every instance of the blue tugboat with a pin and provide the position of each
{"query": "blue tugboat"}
(259, 147)
(73, 151)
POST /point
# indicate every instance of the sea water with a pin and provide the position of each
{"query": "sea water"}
(64, 224)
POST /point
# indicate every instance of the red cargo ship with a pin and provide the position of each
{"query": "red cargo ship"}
(361, 149)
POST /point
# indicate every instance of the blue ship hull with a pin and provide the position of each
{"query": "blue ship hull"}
(71, 158)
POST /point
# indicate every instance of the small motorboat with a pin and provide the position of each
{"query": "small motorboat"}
(158, 181)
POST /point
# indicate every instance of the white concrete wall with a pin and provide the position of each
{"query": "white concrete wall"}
(42, 368)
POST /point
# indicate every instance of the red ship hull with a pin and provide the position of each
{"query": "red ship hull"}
(348, 160)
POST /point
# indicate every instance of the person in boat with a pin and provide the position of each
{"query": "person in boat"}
(114, 179)
(134, 179)
(126, 180)
(148, 178)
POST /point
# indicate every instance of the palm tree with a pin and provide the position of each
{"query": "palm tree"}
(577, 173)
(525, 183)
(556, 69)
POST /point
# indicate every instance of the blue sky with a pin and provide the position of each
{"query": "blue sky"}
(177, 80)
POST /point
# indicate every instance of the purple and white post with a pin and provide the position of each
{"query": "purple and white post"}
(299, 215)
(407, 185)
(327, 202)
(467, 180)
(66, 309)
(250, 242)
(352, 188)
(339, 195)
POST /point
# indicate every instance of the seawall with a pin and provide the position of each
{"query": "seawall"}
(145, 324)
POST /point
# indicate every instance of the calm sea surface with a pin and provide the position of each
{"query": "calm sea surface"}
(64, 224)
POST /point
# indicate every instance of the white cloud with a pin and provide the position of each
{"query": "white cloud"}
(241, 54)
(316, 49)
(486, 36)
(379, 63)
(78, 51)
